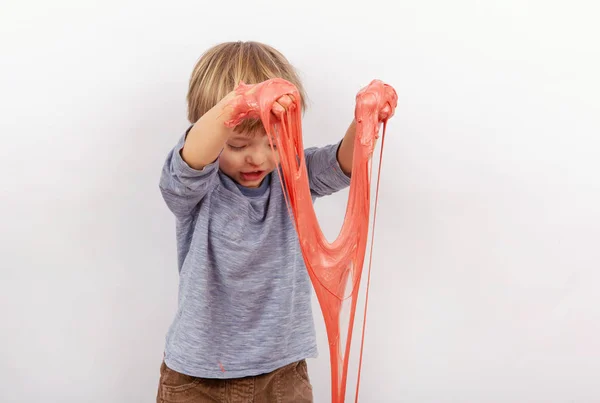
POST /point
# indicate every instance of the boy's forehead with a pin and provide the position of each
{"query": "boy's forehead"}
(249, 135)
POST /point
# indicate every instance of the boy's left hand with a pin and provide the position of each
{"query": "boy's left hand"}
(376, 97)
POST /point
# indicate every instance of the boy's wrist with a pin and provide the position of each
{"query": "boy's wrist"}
(226, 107)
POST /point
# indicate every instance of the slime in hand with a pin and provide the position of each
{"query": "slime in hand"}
(332, 267)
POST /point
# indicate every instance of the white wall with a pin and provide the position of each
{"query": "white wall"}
(487, 266)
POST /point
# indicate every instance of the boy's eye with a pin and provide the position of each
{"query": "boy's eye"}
(236, 148)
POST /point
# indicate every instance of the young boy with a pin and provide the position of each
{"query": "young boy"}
(244, 325)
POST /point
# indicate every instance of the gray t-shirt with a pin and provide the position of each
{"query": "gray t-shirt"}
(244, 305)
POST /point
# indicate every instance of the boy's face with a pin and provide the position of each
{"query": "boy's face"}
(247, 158)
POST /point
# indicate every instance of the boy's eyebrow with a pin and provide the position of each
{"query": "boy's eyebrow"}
(239, 138)
(243, 136)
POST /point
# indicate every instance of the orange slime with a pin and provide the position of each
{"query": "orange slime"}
(332, 267)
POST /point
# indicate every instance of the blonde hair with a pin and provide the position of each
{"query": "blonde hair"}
(221, 68)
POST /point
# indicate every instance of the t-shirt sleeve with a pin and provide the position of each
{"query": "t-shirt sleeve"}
(182, 186)
(325, 176)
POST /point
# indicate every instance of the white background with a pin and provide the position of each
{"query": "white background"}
(486, 273)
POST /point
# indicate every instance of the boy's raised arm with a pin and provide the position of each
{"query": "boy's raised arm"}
(208, 136)
(346, 150)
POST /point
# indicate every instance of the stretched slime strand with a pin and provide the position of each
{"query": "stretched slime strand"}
(334, 266)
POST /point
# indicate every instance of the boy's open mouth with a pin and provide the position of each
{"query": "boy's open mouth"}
(252, 176)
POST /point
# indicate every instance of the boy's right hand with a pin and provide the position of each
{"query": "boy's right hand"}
(277, 96)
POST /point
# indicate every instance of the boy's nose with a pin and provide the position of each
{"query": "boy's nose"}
(256, 158)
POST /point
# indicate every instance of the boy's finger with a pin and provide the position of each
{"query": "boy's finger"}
(278, 109)
(386, 112)
(285, 101)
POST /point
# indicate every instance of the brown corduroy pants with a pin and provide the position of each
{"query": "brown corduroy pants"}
(284, 385)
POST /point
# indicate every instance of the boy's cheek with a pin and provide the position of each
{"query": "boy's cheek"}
(225, 163)
(228, 158)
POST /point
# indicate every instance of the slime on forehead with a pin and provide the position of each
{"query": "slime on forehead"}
(332, 267)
